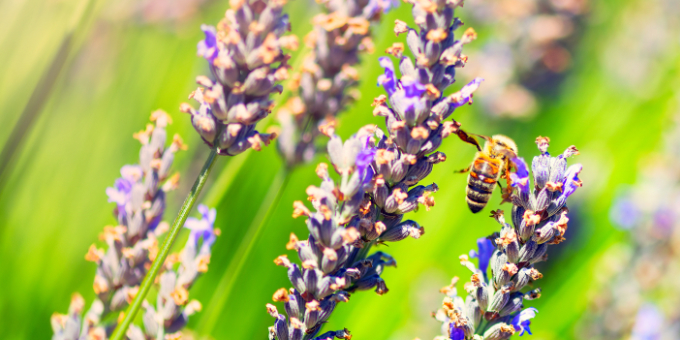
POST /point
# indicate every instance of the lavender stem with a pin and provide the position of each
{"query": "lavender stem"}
(131, 312)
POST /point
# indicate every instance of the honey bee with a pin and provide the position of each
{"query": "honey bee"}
(491, 163)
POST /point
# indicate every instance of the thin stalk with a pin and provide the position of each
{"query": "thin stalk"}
(131, 312)
(228, 280)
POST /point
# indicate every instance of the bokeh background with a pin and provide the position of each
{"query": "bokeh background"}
(78, 77)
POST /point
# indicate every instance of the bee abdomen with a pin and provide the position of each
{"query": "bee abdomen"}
(478, 193)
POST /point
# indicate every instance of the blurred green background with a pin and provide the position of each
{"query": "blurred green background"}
(80, 76)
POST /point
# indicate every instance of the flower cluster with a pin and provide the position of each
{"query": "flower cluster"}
(327, 73)
(636, 292)
(245, 58)
(529, 51)
(379, 179)
(494, 307)
(132, 246)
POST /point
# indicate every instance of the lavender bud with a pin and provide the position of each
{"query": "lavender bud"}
(540, 254)
(527, 252)
(513, 305)
(294, 304)
(499, 331)
(402, 231)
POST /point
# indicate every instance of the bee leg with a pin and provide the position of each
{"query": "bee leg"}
(505, 193)
(462, 171)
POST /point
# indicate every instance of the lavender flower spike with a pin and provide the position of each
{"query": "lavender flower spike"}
(380, 181)
(132, 245)
(326, 82)
(246, 62)
(494, 308)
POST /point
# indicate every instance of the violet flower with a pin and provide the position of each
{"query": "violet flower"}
(494, 307)
(380, 181)
(207, 48)
(328, 76)
(522, 320)
(247, 64)
(202, 229)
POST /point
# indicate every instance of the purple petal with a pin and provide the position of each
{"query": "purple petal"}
(522, 320)
(571, 180)
(387, 80)
(207, 48)
(486, 249)
(456, 333)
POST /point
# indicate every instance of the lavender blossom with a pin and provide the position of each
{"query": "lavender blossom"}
(246, 61)
(132, 246)
(367, 206)
(328, 75)
(494, 307)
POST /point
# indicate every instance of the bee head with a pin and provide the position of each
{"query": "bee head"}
(501, 144)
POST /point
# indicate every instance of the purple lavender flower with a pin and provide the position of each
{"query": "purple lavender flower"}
(456, 333)
(387, 80)
(571, 181)
(364, 160)
(486, 249)
(413, 91)
(465, 94)
(207, 48)
(120, 192)
(202, 229)
(522, 320)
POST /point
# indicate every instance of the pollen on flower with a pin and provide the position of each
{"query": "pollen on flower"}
(180, 295)
(399, 196)
(510, 268)
(543, 143)
(283, 261)
(143, 136)
(292, 242)
(281, 295)
(400, 27)
(309, 264)
(100, 285)
(202, 262)
(358, 25)
(379, 100)
(328, 127)
(289, 42)
(437, 35)
(312, 305)
(450, 288)
(350, 235)
(397, 50)
(94, 254)
(420, 133)
(469, 35)
(530, 218)
(553, 187)
(427, 200)
(383, 156)
(271, 310)
(269, 50)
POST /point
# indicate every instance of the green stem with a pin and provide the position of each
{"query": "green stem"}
(363, 252)
(131, 312)
(226, 285)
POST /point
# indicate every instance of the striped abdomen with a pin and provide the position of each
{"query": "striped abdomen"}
(482, 180)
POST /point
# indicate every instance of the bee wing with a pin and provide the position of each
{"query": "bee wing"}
(509, 154)
(467, 138)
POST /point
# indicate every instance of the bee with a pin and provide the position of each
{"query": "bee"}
(491, 163)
